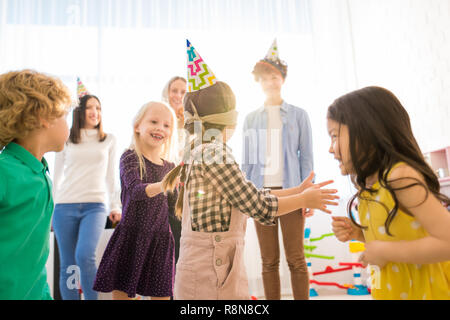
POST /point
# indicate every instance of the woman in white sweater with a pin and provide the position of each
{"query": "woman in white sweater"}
(84, 180)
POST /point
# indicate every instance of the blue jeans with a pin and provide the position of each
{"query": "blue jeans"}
(78, 227)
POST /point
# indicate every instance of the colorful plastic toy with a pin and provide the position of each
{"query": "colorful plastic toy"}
(357, 288)
(308, 247)
(360, 289)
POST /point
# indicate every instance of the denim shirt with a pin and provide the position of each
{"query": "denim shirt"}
(296, 145)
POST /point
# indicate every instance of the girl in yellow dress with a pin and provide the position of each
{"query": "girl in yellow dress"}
(403, 221)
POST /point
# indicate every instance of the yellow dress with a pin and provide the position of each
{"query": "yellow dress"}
(399, 281)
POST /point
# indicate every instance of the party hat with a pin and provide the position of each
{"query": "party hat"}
(272, 54)
(272, 58)
(81, 89)
(199, 75)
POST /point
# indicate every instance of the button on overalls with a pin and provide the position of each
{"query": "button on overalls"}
(211, 264)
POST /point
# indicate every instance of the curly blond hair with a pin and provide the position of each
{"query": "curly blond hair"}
(27, 96)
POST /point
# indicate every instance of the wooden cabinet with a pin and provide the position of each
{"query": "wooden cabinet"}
(439, 161)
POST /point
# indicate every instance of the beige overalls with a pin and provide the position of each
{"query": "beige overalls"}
(211, 265)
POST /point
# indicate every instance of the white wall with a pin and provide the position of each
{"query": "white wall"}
(404, 45)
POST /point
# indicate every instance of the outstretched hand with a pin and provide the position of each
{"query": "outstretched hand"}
(316, 197)
(307, 182)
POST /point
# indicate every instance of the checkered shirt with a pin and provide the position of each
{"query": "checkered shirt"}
(216, 184)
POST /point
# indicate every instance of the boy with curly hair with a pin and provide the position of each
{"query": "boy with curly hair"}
(33, 108)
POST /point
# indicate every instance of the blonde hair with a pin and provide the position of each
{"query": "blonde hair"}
(169, 148)
(27, 96)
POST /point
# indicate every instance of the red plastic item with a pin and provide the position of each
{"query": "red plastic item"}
(351, 264)
(329, 269)
(328, 284)
(254, 298)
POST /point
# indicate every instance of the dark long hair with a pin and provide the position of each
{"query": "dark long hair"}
(79, 121)
(380, 136)
(218, 98)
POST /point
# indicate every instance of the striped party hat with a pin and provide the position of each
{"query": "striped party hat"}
(81, 89)
(199, 75)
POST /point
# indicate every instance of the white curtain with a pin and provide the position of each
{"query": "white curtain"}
(125, 51)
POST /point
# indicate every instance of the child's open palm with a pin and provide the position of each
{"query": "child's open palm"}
(317, 198)
(307, 183)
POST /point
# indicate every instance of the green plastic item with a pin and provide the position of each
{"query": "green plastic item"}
(311, 248)
(322, 236)
(311, 255)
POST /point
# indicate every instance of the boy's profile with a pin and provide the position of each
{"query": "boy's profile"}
(33, 108)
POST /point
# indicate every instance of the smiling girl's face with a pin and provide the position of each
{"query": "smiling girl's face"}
(340, 146)
(156, 126)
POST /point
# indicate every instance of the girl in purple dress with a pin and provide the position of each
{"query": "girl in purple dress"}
(139, 258)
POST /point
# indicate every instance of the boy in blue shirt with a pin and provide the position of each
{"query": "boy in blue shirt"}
(278, 154)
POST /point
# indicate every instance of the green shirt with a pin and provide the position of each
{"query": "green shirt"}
(26, 208)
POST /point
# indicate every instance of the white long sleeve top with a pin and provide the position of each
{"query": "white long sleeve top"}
(86, 172)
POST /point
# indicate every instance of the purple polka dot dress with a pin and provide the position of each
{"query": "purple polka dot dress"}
(139, 257)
